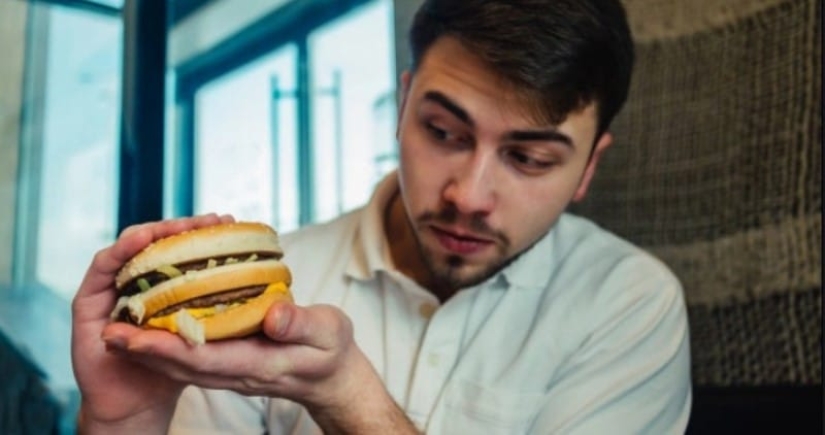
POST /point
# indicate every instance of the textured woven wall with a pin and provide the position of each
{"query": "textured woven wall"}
(717, 170)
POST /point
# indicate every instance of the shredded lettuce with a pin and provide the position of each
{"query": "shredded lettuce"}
(170, 271)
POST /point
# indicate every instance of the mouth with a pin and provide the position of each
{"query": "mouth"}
(459, 242)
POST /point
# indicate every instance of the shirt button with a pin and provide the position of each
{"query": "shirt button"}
(427, 309)
(433, 359)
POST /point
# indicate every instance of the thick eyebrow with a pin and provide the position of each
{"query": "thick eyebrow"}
(450, 105)
(521, 135)
(540, 135)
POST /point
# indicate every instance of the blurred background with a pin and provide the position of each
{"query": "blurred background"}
(248, 112)
(114, 112)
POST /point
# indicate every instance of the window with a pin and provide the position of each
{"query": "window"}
(71, 134)
(352, 124)
(322, 87)
(67, 185)
(245, 140)
(333, 80)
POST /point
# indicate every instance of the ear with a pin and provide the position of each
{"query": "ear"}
(406, 78)
(603, 143)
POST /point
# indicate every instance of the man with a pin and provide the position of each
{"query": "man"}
(461, 299)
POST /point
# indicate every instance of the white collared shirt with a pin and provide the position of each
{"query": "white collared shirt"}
(584, 334)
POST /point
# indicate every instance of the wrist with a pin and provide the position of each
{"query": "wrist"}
(374, 416)
(361, 405)
(150, 421)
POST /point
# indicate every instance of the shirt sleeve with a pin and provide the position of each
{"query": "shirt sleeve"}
(202, 411)
(631, 374)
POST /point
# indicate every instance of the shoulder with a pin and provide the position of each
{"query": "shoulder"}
(608, 274)
(587, 246)
(317, 238)
(609, 294)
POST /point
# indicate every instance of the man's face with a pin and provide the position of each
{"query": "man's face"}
(481, 180)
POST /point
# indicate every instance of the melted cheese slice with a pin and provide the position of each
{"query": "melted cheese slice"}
(170, 322)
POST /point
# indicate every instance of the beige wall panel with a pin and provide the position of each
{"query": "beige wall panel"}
(663, 19)
(12, 45)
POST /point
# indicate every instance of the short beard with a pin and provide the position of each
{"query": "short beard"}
(447, 276)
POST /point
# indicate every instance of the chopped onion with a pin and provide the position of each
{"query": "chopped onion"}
(211, 263)
(189, 328)
(122, 302)
(136, 309)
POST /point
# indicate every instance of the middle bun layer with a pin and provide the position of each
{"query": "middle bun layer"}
(205, 282)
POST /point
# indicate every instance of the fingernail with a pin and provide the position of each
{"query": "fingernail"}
(139, 348)
(115, 342)
(284, 316)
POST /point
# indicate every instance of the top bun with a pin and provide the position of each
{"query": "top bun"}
(202, 244)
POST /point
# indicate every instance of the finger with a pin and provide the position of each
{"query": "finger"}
(186, 374)
(249, 361)
(321, 326)
(117, 334)
(100, 275)
(227, 219)
(172, 226)
(96, 296)
(131, 337)
(165, 228)
(171, 369)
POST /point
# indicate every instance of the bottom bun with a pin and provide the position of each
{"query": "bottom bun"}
(234, 322)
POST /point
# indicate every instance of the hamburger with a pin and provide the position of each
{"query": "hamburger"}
(206, 284)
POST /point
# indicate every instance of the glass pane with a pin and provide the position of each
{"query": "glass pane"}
(78, 174)
(240, 119)
(113, 3)
(353, 107)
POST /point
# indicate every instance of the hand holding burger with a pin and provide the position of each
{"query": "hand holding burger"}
(120, 394)
(131, 373)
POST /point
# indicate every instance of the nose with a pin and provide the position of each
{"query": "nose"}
(472, 188)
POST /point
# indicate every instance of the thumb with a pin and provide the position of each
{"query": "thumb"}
(320, 326)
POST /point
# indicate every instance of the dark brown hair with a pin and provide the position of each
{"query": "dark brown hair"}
(558, 55)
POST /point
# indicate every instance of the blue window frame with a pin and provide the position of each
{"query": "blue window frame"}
(312, 118)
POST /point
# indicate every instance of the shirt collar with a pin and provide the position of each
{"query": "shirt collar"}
(371, 253)
(534, 267)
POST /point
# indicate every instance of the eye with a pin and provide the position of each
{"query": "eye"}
(528, 163)
(444, 136)
(436, 132)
